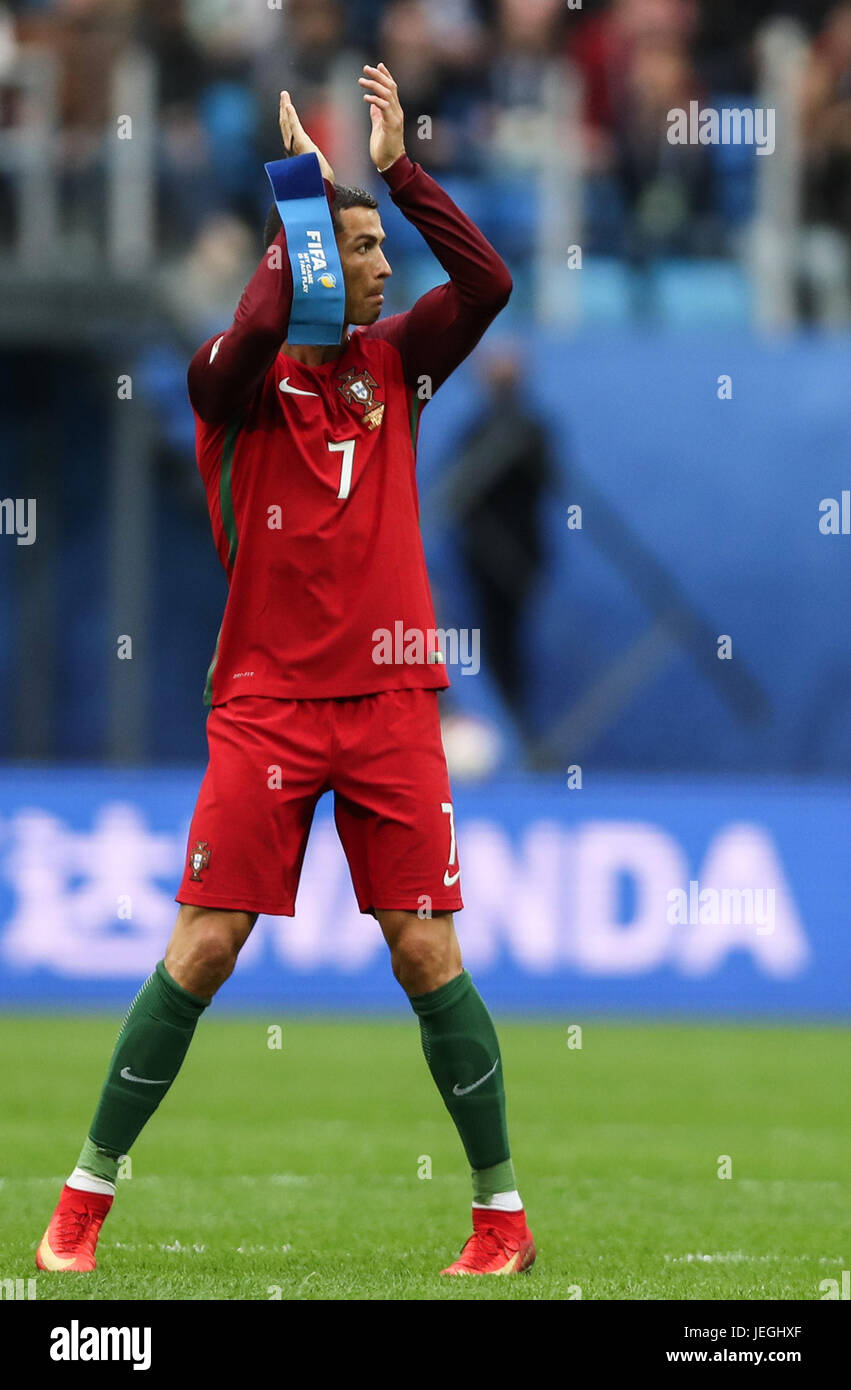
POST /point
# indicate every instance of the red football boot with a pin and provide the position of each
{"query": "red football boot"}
(70, 1239)
(501, 1243)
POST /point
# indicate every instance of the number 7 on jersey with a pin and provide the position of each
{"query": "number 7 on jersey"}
(346, 447)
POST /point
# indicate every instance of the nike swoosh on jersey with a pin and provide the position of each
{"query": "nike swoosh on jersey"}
(449, 879)
(294, 390)
(465, 1090)
(145, 1080)
(216, 345)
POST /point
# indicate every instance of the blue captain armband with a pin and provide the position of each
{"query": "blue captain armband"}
(319, 291)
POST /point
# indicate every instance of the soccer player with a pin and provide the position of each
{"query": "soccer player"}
(308, 456)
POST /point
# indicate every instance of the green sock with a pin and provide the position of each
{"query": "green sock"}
(151, 1046)
(462, 1051)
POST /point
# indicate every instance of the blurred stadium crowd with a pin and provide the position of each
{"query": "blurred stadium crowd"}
(546, 120)
(478, 69)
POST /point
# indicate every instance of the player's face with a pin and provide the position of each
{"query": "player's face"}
(365, 266)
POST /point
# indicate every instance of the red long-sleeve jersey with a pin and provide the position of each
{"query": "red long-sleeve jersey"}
(310, 472)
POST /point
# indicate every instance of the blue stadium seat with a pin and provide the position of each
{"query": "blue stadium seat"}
(228, 111)
(710, 294)
(734, 169)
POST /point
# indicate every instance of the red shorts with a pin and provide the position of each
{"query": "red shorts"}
(271, 760)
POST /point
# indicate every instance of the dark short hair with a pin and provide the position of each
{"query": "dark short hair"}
(344, 197)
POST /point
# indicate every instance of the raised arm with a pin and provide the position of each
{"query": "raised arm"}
(445, 324)
(227, 369)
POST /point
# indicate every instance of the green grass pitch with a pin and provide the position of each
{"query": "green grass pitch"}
(294, 1172)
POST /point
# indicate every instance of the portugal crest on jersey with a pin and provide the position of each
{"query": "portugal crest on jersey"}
(199, 858)
(357, 386)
